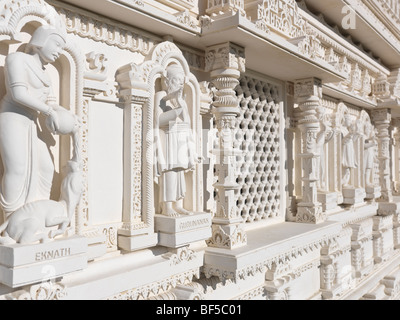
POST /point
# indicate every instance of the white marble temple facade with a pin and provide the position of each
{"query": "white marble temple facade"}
(227, 150)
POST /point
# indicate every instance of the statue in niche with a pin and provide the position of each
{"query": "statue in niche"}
(369, 153)
(175, 147)
(27, 162)
(324, 136)
(349, 160)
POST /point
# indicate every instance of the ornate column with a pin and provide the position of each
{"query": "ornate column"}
(388, 210)
(137, 230)
(396, 156)
(382, 119)
(226, 62)
(308, 93)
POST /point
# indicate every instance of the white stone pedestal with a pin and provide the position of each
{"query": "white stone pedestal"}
(27, 264)
(328, 200)
(373, 192)
(353, 195)
(179, 231)
(132, 240)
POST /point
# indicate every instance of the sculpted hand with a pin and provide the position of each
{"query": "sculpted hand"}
(52, 122)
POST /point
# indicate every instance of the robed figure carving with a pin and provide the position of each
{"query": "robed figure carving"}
(27, 162)
(349, 160)
(370, 145)
(175, 148)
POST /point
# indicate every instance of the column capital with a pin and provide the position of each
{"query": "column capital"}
(381, 115)
(308, 87)
(225, 56)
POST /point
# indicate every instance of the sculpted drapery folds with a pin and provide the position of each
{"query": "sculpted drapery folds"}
(28, 165)
(370, 145)
(175, 146)
(349, 160)
(323, 137)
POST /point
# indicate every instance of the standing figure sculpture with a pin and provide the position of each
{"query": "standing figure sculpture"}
(349, 160)
(369, 153)
(174, 142)
(27, 162)
(324, 136)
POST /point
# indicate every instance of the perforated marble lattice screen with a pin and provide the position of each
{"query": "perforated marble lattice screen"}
(257, 136)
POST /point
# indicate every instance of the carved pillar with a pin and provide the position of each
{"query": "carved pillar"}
(396, 156)
(308, 93)
(335, 269)
(225, 62)
(382, 120)
(388, 210)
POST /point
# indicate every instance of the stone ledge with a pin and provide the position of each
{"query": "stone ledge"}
(268, 245)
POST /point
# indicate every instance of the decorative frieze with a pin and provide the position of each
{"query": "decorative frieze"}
(104, 30)
(281, 16)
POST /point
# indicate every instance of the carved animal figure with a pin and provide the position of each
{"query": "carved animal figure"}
(28, 224)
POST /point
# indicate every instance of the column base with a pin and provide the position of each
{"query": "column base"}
(310, 214)
(230, 236)
(137, 242)
(372, 192)
(328, 200)
(353, 195)
(33, 263)
(96, 242)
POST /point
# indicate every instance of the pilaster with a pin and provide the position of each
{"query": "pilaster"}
(135, 233)
(308, 93)
(137, 230)
(226, 62)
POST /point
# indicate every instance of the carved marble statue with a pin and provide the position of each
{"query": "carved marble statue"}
(175, 146)
(324, 136)
(28, 165)
(28, 224)
(369, 153)
(349, 160)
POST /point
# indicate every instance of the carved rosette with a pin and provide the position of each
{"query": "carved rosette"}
(308, 93)
(225, 62)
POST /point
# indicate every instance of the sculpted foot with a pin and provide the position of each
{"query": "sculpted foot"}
(183, 211)
(169, 211)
